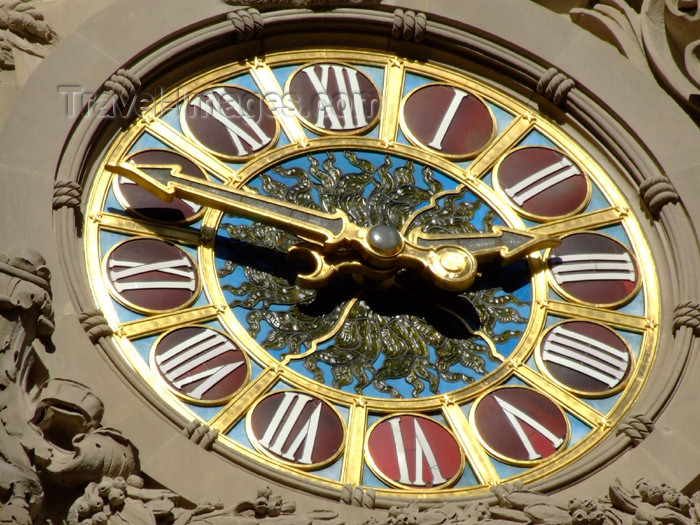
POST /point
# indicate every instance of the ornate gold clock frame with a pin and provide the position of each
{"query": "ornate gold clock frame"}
(610, 120)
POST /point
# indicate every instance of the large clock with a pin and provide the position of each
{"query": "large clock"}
(360, 268)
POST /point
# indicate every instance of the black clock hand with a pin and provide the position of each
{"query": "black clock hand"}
(375, 253)
(166, 182)
(505, 243)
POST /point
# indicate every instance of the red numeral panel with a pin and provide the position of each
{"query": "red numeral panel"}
(151, 275)
(542, 182)
(448, 120)
(414, 451)
(201, 364)
(230, 121)
(520, 425)
(298, 428)
(142, 202)
(595, 269)
(586, 357)
(335, 97)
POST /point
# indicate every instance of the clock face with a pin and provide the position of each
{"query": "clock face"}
(375, 271)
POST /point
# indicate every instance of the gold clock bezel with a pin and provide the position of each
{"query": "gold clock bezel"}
(543, 307)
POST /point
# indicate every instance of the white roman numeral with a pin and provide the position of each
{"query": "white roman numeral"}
(211, 104)
(515, 416)
(594, 267)
(422, 450)
(542, 180)
(289, 411)
(180, 360)
(179, 267)
(586, 355)
(349, 98)
(447, 118)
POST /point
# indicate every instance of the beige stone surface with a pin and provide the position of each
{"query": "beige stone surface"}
(99, 37)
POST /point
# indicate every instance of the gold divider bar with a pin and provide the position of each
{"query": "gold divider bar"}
(585, 221)
(391, 100)
(239, 405)
(510, 136)
(630, 322)
(274, 96)
(572, 403)
(160, 323)
(182, 144)
(120, 224)
(477, 457)
(353, 461)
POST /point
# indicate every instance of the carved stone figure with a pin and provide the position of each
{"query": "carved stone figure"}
(50, 434)
(654, 504)
(115, 501)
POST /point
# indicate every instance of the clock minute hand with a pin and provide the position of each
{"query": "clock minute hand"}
(506, 243)
(328, 230)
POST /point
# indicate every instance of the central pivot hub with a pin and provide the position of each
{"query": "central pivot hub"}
(385, 240)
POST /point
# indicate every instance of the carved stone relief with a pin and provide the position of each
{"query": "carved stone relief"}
(22, 28)
(636, 427)
(318, 4)
(663, 35)
(68, 194)
(554, 86)
(124, 85)
(687, 314)
(115, 501)
(647, 503)
(95, 325)
(200, 434)
(357, 496)
(657, 192)
(50, 433)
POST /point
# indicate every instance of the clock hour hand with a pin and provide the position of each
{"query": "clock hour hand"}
(339, 246)
(507, 244)
(327, 230)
